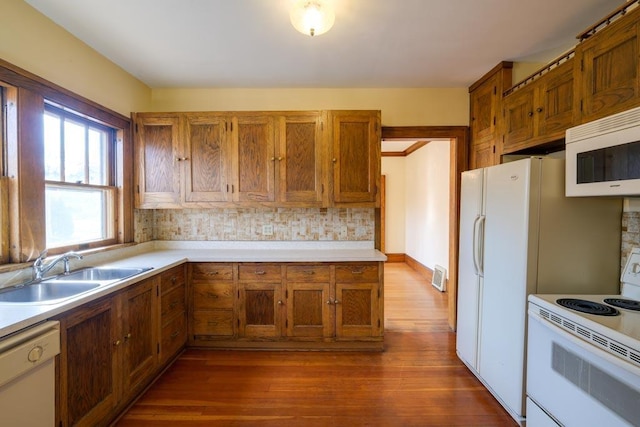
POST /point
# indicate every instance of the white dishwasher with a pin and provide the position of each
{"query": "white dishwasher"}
(27, 376)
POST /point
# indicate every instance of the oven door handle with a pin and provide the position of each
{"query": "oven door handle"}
(591, 348)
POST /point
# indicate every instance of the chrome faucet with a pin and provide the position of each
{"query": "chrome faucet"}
(39, 268)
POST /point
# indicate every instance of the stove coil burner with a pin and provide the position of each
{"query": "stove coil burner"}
(628, 304)
(589, 307)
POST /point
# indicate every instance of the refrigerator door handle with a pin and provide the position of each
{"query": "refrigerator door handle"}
(480, 245)
(476, 267)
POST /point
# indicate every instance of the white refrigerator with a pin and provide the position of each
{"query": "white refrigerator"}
(519, 235)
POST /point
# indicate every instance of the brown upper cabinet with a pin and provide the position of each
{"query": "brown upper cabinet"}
(355, 157)
(215, 159)
(607, 80)
(485, 115)
(539, 112)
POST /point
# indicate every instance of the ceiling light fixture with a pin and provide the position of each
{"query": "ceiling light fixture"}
(312, 17)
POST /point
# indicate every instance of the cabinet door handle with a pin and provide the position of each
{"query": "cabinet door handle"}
(539, 109)
(530, 114)
(280, 159)
(116, 343)
(329, 302)
(334, 160)
(273, 159)
(336, 302)
(127, 337)
(280, 302)
(181, 159)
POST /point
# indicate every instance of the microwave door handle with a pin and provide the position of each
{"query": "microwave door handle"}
(480, 243)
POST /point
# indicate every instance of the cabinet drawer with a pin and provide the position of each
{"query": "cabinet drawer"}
(213, 295)
(357, 272)
(260, 272)
(172, 302)
(213, 322)
(308, 273)
(211, 271)
(174, 335)
(172, 278)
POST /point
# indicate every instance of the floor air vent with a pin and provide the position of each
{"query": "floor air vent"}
(439, 278)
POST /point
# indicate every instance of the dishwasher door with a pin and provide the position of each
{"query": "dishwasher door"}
(27, 376)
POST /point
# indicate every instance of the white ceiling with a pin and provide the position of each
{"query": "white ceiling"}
(374, 43)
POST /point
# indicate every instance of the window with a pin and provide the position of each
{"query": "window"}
(80, 191)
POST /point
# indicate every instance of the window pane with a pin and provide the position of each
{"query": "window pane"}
(97, 156)
(74, 152)
(75, 215)
(52, 147)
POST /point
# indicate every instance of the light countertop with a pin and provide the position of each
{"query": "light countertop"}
(165, 255)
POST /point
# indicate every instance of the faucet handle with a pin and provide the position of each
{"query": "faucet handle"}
(41, 256)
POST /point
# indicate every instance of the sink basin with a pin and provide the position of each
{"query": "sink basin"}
(49, 292)
(101, 274)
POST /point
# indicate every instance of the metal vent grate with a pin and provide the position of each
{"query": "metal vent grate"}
(439, 278)
(605, 125)
(612, 347)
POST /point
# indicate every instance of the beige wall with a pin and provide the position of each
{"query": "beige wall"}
(400, 107)
(394, 169)
(33, 42)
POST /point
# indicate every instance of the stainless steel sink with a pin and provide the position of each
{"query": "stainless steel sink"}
(101, 274)
(48, 292)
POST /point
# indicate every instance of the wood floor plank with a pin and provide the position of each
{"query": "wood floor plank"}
(416, 381)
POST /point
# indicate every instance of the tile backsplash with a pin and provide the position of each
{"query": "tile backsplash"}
(630, 234)
(249, 224)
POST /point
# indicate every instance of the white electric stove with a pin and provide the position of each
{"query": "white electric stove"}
(583, 357)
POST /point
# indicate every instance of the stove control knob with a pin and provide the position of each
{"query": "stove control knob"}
(635, 268)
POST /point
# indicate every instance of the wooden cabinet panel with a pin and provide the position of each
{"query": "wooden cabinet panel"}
(173, 336)
(254, 158)
(308, 273)
(609, 81)
(260, 310)
(357, 311)
(213, 295)
(157, 140)
(555, 107)
(300, 159)
(172, 302)
(309, 310)
(89, 370)
(356, 157)
(209, 324)
(518, 117)
(139, 334)
(208, 163)
(485, 105)
(211, 271)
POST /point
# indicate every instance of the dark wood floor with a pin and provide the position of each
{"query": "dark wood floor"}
(416, 381)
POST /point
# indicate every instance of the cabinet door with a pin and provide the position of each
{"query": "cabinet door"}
(356, 157)
(90, 360)
(254, 159)
(483, 115)
(300, 160)
(214, 298)
(139, 334)
(610, 80)
(518, 118)
(158, 161)
(554, 108)
(310, 311)
(260, 310)
(358, 293)
(208, 164)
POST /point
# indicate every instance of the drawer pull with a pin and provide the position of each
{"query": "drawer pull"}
(212, 295)
(173, 280)
(212, 323)
(214, 273)
(309, 272)
(173, 305)
(175, 334)
(261, 272)
(357, 271)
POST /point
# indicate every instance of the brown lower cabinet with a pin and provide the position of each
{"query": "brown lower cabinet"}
(287, 305)
(111, 349)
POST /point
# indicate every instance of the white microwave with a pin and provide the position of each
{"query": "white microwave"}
(603, 156)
